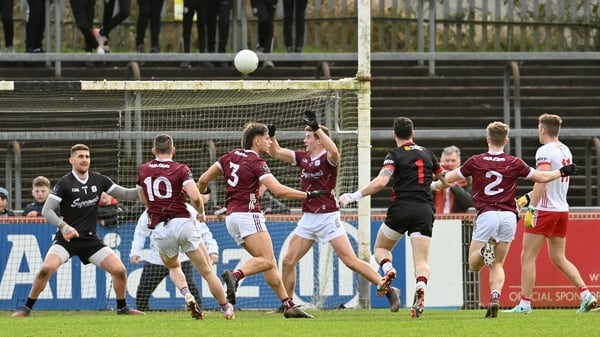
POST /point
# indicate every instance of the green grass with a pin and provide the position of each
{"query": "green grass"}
(376, 323)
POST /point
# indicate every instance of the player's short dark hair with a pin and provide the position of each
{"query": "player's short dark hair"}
(251, 131)
(163, 143)
(403, 127)
(551, 123)
(79, 147)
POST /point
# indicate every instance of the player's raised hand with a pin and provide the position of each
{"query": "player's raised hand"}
(569, 170)
(311, 119)
(67, 231)
(271, 128)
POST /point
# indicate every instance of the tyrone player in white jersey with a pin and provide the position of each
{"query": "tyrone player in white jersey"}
(495, 176)
(163, 185)
(547, 218)
(245, 171)
(321, 217)
(77, 194)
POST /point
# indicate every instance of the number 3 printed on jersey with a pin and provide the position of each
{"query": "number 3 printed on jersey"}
(234, 179)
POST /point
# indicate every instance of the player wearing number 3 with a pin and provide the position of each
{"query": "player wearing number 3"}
(495, 176)
(244, 171)
(162, 185)
(77, 194)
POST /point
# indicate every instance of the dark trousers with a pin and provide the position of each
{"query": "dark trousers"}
(264, 10)
(294, 11)
(219, 16)
(149, 12)
(108, 20)
(83, 13)
(34, 29)
(198, 7)
(6, 10)
(153, 274)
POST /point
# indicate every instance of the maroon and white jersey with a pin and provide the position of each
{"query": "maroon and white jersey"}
(243, 170)
(317, 173)
(162, 183)
(495, 178)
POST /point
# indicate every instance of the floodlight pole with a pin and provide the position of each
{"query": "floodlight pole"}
(364, 143)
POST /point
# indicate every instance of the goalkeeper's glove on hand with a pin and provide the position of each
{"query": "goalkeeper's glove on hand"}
(530, 217)
(271, 128)
(568, 170)
(311, 120)
(316, 193)
(524, 200)
(347, 198)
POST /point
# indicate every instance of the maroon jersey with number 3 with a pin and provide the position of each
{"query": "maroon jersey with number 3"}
(162, 183)
(317, 173)
(243, 170)
(495, 178)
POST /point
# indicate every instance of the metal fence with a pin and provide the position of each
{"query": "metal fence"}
(397, 25)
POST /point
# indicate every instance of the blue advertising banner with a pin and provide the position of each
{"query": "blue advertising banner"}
(322, 279)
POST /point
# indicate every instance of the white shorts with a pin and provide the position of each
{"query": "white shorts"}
(178, 234)
(240, 225)
(323, 227)
(500, 225)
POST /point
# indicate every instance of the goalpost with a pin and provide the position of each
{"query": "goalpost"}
(119, 119)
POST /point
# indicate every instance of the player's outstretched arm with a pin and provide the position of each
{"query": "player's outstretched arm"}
(374, 186)
(276, 151)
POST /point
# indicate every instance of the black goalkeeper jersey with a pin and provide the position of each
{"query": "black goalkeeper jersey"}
(79, 200)
(413, 167)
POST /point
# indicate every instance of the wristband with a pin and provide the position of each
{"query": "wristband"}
(356, 196)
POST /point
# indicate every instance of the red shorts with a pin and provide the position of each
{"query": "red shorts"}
(550, 224)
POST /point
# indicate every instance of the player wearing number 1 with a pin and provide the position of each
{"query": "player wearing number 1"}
(495, 176)
(411, 168)
(245, 171)
(163, 184)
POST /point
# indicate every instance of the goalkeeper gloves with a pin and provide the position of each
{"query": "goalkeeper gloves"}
(311, 120)
(316, 193)
(530, 217)
(568, 170)
(271, 128)
(524, 200)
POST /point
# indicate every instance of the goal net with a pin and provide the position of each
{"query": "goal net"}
(118, 120)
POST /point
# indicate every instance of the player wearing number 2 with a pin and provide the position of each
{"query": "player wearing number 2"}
(411, 168)
(78, 193)
(495, 176)
(547, 218)
(244, 171)
(321, 217)
(163, 184)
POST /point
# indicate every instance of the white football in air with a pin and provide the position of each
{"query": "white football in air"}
(246, 61)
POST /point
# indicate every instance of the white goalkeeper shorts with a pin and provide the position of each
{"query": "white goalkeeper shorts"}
(177, 234)
(500, 225)
(323, 227)
(241, 225)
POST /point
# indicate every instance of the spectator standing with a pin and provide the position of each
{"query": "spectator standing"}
(218, 20)
(457, 198)
(83, 14)
(200, 9)
(264, 10)
(6, 12)
(294, 12)
(110, 20)
(149, 11)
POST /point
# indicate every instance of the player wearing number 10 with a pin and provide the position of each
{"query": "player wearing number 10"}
(244, 171)
(495, 176)
(163, 184)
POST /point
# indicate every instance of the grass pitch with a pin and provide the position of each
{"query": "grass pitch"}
(376, 322)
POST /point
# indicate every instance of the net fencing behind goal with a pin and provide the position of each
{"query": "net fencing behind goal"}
(119, 119)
